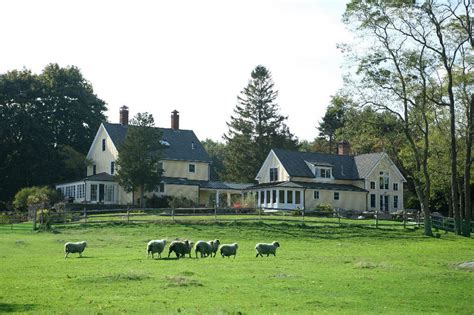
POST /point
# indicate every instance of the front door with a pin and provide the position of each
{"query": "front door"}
(101, 192)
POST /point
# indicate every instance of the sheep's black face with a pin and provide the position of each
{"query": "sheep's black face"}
(277, 244)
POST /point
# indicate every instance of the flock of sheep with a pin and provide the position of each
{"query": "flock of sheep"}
(183, 248)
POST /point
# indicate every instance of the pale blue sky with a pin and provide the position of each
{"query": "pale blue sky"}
(193, 56)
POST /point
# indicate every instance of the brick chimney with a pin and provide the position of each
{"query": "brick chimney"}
(175, 120)
(343, 147)
(124, 115)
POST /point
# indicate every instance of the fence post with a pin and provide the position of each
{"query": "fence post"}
(404, 216)
(128, 215)
(85, 215)
(376, 218)
(172, 213)
(304, 210)
(215, 213)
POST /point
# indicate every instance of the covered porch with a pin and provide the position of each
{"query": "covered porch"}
(221, 194)
(284, 195)
(99, 188)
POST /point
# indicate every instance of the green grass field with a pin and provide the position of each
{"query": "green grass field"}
(318, 269)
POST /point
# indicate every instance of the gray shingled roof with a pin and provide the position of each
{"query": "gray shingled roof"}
(181, 143)
(366, 162)
(310, 185)
(205, 184)
(103, 177)
(344, 166)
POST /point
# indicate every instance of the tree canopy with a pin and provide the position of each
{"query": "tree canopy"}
(255, 127)
(45, 119)
(138, 157)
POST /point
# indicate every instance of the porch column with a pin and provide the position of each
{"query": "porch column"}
(228, 199)
(217, 199)
(265, 197)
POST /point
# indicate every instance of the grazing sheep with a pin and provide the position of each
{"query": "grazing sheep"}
(207, 248)
(78, 247)
(229, 250)
(180, 248)
(203, 247)
(155, 246)
(267, 249)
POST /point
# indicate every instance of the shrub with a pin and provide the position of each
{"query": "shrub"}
(249, 202)
(181, 202)
(31, 195)
(158, 202)
(324, 207)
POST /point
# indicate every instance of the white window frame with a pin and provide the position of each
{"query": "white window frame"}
(318, 171)
(273, 174)
(194, 168)
(316, 194)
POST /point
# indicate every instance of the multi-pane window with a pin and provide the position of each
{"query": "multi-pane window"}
(70, 191)
(93, 192)
(274, 174)
(336, 195)
(372, 185)
(80, 191)
(268, 197)
(316, 194)
(274, 196)
(103, 144)
(192, 168)
(395, 186)
(112, 167)
(384, 180)
(372, 200)
(94, 169)
(281, 196)
(395, 202)
(109, 193)
(297, 197)
(322, 172)
(289, 196)
(161, 188)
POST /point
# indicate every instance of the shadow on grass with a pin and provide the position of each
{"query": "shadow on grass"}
(16, 308)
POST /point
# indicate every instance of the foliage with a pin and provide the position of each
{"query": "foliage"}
(217, 152)
(333, 119)
(325, 267)
(40, 114)
(158, 201)
(255, 127)
(139, 155)
(324, 207)
(249, 202)
(181, 202)
(35, 195)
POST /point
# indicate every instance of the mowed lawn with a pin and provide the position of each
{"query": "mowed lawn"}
(316, 270)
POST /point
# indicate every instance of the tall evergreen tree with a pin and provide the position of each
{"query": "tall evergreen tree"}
(255, 127)
(137, 163)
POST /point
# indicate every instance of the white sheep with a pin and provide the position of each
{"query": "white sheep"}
(264, 248)
(180, 248)
(78, 247)
(155, 246)
(228, 250)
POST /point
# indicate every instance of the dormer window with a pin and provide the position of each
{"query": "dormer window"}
(274, 174)
(322, 172)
